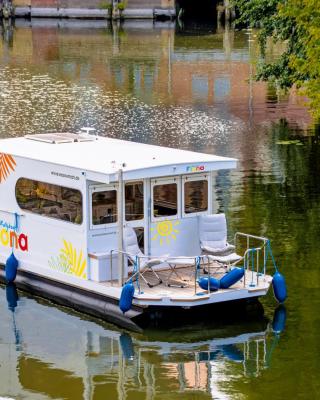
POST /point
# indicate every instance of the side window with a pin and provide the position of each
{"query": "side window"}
(195, 196)
(49, 200)
(134, 201)
(104, 207)
(165, 200)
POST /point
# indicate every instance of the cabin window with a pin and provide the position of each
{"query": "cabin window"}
(165, 200)
(104, 207)
(195, 196)
(49, 200)
(134, 201)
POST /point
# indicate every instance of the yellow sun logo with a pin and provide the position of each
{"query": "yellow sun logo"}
(164, 231)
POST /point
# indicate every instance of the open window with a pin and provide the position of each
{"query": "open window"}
(103, 206)
(195, 195)
(165, 198)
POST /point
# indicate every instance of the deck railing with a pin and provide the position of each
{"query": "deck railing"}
(252, 255)
(252, 259)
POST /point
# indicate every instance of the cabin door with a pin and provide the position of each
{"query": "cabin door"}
(135, 210)
(103, 218)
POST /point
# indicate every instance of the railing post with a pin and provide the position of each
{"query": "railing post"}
(264, 257)
(195, 276)
(138, 261)
(209, 278)
(120, 228)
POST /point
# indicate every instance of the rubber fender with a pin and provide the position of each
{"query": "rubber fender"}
(11, 268)
(279, 319)
(126, 297)
(231, 277)
(12, 296)
(126, 346)
(204, 283)
(279, 287)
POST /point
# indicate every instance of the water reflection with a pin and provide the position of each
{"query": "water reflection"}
(152, 84)
(63, 355)
(189, 87)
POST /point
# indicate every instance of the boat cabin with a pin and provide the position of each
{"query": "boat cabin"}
(64, 188)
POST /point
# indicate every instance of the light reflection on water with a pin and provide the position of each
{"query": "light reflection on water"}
(189, 88)
(51, 105)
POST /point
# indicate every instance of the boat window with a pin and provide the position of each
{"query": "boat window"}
(49, 200)
(104, 207)
(195, 196)
(165, 200)
(134, 200)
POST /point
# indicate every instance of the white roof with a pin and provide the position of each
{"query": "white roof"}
(102, 157)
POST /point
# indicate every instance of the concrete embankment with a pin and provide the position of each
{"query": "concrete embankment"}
(95, 9)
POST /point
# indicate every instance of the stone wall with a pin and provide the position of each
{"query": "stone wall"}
(94, 4)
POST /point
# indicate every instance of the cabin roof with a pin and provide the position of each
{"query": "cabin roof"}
(103, 157)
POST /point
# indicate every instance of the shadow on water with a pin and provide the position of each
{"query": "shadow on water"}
(210, 317)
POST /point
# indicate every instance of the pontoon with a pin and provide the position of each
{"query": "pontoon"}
(85, 214)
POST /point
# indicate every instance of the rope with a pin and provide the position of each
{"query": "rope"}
(269, 251)
(15, 229)
(16, 222)
(197, 266)
(135, 271)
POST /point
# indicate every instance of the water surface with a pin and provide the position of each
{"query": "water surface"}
(190, 87)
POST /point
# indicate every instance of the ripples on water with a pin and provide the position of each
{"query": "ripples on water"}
(51, 105)
(213, 106)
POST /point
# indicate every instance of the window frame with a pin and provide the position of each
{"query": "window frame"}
(193, 178)
(97, 189)
(164, 181)
(135, 222)
(74, 224)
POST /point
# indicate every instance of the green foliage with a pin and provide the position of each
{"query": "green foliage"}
(121, 6)
(106, 5)
(297, 23)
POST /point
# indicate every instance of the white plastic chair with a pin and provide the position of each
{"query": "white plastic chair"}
(213, 239)
(132, 251)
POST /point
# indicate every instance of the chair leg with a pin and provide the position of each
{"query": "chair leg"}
(173, 271)
(156, 275)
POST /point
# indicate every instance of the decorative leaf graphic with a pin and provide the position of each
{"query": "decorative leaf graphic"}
(76, 262)
(7, 165)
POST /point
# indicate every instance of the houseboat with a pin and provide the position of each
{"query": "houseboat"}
(86, 216)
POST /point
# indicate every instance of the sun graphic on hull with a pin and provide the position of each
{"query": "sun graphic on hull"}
(164, 231)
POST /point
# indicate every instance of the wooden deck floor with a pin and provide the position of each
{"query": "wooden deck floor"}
(171, 283)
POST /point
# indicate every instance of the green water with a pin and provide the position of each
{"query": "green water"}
(189, 87)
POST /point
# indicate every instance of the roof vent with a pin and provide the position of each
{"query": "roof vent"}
(58, 138)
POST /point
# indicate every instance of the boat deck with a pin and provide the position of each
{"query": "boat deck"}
(170, 290)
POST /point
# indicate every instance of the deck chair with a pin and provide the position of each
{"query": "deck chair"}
(213, 239)
(132, 250)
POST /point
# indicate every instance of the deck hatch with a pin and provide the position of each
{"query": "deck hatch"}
(59, 138)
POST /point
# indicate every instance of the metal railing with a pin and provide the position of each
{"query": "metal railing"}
(197, 261)
(165, 259)
(250, 251)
